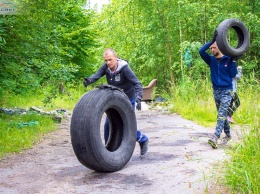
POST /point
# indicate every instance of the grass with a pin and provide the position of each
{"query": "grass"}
(241, 171)
(65, 101)
(194, 100)
(19, 132)
(191, 99)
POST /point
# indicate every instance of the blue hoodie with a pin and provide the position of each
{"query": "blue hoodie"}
(221, 73)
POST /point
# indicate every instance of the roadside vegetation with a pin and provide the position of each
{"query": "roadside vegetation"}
(194, 101)
(20, 132)
(44, 61)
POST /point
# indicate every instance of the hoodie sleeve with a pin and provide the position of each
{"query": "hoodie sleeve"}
(130, 75)
(233, 69)
(204, 55)
(100, 73)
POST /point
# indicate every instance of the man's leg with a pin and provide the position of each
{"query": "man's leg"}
(222, 100)
(143, 141)
(140, 137)
(214, 140)
(106, 130)
(222, 123)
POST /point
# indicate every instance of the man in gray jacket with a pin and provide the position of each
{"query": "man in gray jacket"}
(119, 74)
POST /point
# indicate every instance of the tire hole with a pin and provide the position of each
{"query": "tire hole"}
(115, 132)
(233, 38)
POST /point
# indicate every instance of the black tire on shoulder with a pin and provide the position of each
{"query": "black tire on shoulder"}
(242, 33)
(85, 130)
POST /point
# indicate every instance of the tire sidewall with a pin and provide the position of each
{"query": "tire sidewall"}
(85, 130)
(243, 37)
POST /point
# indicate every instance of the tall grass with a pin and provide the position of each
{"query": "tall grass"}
(242, 170)
(65, 100)
(194, 101)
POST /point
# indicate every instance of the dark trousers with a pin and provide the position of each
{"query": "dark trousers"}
(234, 104)
(222, 100)
(140, 137)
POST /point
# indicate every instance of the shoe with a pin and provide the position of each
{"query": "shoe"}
(144, 147)
(230, 119)
(213, 141)
(226, 139)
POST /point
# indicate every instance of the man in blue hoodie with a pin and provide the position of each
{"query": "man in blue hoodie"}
(119, 74)
(222, 70)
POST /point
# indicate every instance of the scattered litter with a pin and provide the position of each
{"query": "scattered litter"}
(20, 125)
(13, 111)
(57, 115)
(159, 99)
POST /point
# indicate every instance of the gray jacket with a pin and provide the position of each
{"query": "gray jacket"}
(237, 77)
(123, 78)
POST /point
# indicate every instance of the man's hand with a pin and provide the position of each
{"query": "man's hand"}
(138, 104)
(214, 36)
(86, 82)
(236, 58)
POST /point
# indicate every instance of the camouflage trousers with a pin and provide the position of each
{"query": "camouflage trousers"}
(222, 100)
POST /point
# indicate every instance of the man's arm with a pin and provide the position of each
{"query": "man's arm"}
(100, 73)
(93, 78)
(204, 55)
(233, 69)
(130, 75)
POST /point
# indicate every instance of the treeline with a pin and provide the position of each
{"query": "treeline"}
(53, 44)
(46, 43)
(161, 39)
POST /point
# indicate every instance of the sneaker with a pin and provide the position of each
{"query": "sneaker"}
(213, 141)
(144, 147)
(226, 139)
(230, 119)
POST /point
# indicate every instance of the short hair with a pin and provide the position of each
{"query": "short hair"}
(110, 50)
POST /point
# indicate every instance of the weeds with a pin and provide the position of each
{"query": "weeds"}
(19, 132)
(194, 101)
(191, 99)
(241, 172)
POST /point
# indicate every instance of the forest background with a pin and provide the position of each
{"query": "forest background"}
(48, 47)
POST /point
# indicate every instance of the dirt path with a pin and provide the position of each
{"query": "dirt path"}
(179, 160)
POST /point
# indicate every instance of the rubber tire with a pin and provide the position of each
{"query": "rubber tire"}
(85, 130)
(242, 33)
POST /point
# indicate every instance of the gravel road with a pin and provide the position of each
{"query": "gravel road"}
(179, 160)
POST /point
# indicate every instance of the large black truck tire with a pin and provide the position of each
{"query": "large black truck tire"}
(222, 37)
(85, 129)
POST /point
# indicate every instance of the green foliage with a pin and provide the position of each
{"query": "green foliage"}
(52, 47)
(241, 172)
(19, 132)
(155, 35)
(193, 99)
(38, 98)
